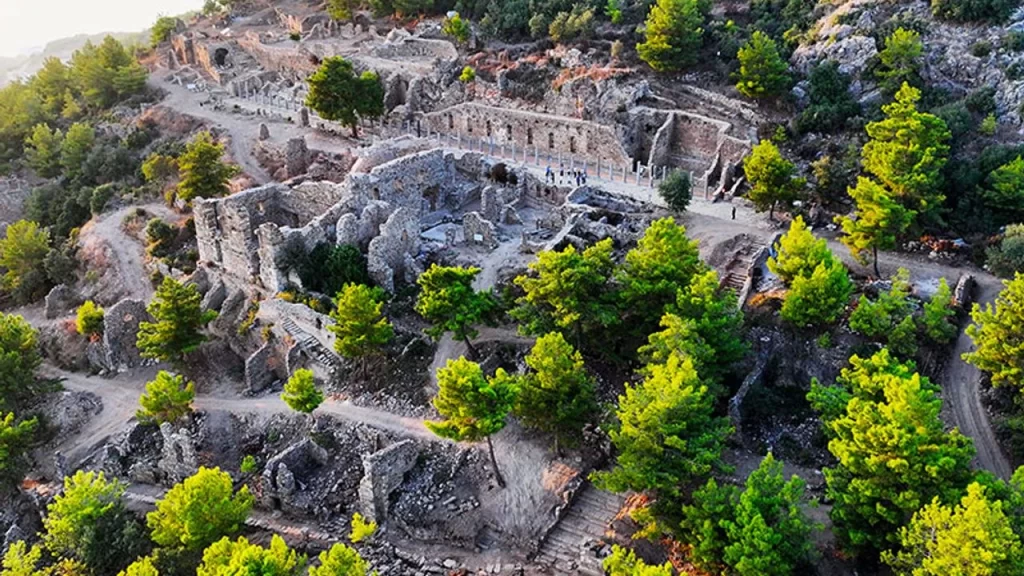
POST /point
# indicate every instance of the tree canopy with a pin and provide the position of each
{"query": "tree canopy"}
(300, 392)
(763, 72)
(974, 537)
(449, 302)
(199, 511)
(568, 291)
(228, 557)
(998, 337)
(557, 395)
(203, 173)
(773, 179)
(798, 253)
(337, 93)
(818, 299)
(876, 486)
(673, 34)
(179, 319)
(168, 398)
(359, 323)
(878, 221)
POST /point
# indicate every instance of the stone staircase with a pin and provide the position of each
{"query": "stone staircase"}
(738, 270)
(565, 548)
(311, 346)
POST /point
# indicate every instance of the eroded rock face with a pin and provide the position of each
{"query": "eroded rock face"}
(60, 300)
(120, 330)
(179, 460)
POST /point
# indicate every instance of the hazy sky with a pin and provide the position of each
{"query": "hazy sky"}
(26, 24)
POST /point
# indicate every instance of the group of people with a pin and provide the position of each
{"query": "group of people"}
(565, 176)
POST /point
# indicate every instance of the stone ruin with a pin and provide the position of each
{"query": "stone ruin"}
(383, 472)
(284, 478)
(251, 235)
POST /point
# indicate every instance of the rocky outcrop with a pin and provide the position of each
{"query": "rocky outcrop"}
(120, 330)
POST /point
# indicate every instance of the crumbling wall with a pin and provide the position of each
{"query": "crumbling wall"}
(399, 45)
(180, 459)
(286, 473)
(550, 134)
(383, 472)
(389, 258)
(294, 63)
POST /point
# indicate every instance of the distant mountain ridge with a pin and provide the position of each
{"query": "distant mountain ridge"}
(15, 67)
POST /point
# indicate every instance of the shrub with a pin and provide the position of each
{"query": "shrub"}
(89, 319)
(1014, 40)
(295, 36)
(468, 75)
(988, 125)
(1008, 257)
(820, 298)
(248, 465)
(675, 190)
(361, 529)
(973, 10)
(100, 196)
(830, 101)
(457, 28)
(981, 48)
(160, 237)
(329, 267)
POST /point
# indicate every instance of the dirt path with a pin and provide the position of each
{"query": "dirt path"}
(128, 253)
(120, 397)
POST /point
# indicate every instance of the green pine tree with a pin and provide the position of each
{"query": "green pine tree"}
(473, 407)
(773, 179)
(557, 395)
(203, 173)
(300, 392)
(877, 222)
(179, 319)
(168, 398)
(876, 486)
(763, 72)
(798, 253)
(998, 337)
(818, 299)
(360, 326)
(448, 301)
(673, 34)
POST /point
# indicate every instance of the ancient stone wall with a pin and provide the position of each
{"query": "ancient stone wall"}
(287, 60)
(399, 45)
(550, 134)
(383, 472)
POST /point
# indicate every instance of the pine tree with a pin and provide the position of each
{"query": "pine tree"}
(939, 315)
(42, 151)
(199, 511)
(818, 299)
(900, 60)
(300, 392)
(973, 538)
(22, 252)
(203, 173)
(88, 522)
(231, 558)
(448, 301)
(706, 325)
(473, 407)
(338, 94)
(360, 326)
(16, 437)
(663, 262)
(877, 485)
(666, 434)
(799, 253)
(557, 396)
(19, 360)
(78, 142)
(179, 317)
(763, 71)
(998, 337)
(623, 562)
(768, 534)
(167, 399)
(568, 291)
(772, 178)
(340, 560)
(673, 34)
(907, 151)
(1004, 193)
(676, 190)
(704, 522)
(876, 319)
(877, 222)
